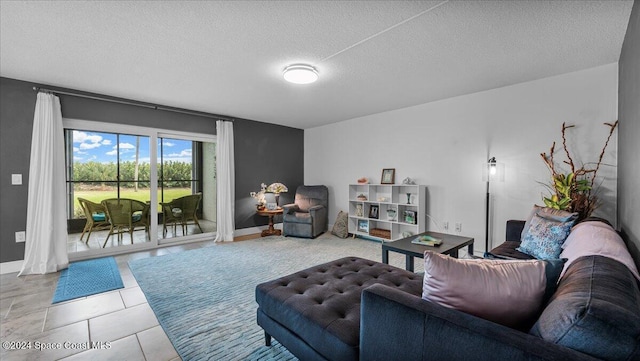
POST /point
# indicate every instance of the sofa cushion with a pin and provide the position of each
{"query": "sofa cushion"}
(509, 292)
(545, 236)
(508, 250)
(595, 310)
(596, 238)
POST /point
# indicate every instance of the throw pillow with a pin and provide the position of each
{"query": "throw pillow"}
(547, 213)
(596, 238)
(545, 237)
(340, 228)
(508, 292)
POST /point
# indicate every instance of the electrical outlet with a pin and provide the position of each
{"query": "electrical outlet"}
(445, 225)
(458, 227)
(20, 236)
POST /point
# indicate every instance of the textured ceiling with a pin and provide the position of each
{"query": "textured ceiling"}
(373, 56)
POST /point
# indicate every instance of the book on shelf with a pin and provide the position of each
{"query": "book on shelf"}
(427, 241)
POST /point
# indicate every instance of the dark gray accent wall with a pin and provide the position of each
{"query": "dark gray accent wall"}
(263, 152)
(629, 136)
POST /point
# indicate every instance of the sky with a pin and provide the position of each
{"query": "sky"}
(102, 147)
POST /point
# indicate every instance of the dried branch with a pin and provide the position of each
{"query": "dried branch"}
(612, 128)
(564, 145)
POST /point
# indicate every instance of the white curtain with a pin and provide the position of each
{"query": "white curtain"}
(226, 182)
(46, 231)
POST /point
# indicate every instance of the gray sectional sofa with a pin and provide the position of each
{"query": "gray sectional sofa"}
(593, 314)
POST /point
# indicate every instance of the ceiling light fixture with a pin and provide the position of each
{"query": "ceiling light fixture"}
(300, 74)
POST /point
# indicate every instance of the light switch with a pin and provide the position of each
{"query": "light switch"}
(16, 179)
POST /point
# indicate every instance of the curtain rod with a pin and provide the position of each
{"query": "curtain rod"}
(150, 106)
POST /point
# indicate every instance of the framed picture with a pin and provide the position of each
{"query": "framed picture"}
(388, 176)
(363, 226)
(373, 211)
(410, 217)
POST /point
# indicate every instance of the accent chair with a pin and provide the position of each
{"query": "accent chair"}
(308, 217)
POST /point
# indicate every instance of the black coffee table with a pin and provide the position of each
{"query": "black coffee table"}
(450, 245)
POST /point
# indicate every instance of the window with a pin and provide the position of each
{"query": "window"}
(104, 165)
(105, 160)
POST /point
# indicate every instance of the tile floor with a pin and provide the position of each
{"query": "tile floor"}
(121, 319)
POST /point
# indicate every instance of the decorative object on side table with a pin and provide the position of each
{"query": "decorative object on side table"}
(388, 176)
(260, 197)
(277, 188)
(573, 191)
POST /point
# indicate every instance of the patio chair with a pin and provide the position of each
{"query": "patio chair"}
(96, 216)
(124, 216)
(171, 215)
(189, 211)
(181, 211)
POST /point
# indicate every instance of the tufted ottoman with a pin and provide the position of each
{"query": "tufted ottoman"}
(315, 313)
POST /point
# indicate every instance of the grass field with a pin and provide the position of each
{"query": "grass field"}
(142, 195)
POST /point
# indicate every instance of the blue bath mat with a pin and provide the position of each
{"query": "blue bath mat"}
(85, 278)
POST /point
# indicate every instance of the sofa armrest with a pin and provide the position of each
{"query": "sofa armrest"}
(289, 208)
(396, 325)
(514, 230)
(317, 208)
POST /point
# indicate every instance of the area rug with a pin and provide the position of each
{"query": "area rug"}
(205, 298)
(85, 278)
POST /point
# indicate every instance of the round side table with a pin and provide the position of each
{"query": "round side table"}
(270, 213)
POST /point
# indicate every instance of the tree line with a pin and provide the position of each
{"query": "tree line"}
(173, 173)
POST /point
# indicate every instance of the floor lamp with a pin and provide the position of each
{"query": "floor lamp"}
(493, 171)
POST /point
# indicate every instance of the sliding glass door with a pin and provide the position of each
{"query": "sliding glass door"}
(186, 187)
(135, 188)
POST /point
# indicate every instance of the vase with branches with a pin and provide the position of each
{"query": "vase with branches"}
(574, 190)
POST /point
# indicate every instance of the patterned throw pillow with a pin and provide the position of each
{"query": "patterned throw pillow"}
(545, 237)
(340, 228)
(547, 213)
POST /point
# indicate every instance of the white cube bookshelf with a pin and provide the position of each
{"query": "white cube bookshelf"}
(385, 197)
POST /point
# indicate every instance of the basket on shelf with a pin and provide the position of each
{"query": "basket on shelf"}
(379, 232)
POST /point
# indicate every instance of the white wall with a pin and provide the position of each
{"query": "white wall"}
(444, 144)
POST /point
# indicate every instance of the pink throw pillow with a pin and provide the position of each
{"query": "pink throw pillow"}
(596, 238)
(508, 292)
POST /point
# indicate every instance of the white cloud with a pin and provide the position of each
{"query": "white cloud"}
(184, 153)
(127, 146)
(81, 137)
(168, 144)
(89, 145)
(88, 141)
(112, 152)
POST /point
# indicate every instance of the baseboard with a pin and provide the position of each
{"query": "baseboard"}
(10, 267)
(252, 230)
(16, 266)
